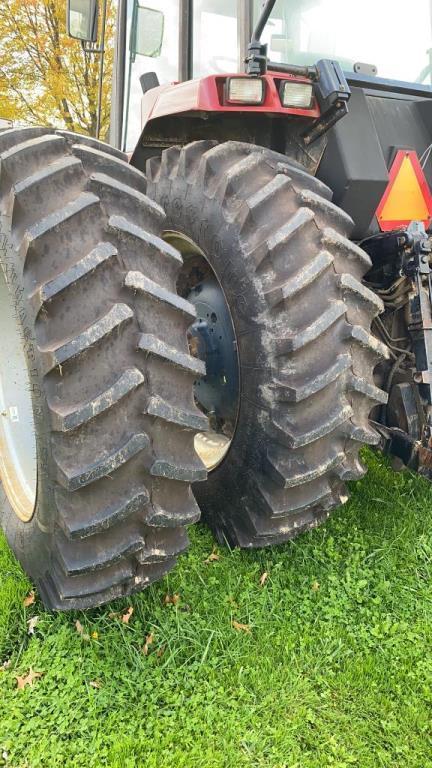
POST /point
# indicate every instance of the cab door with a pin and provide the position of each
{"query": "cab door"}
(152, 45)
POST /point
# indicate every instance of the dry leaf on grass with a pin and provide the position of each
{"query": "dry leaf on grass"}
(126, 616)
(149, 641)
(160, 651)
(171, 599)
(212, 558)
(263, 578)
(32, 623)
(241, 627)
(95, 683)
(95, 635)
(23, 680)
(30, 599)
(80, 630)
(315, 586)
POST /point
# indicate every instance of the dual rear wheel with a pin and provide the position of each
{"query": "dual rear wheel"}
(202, 333)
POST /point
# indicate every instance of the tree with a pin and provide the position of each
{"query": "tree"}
(46, 78)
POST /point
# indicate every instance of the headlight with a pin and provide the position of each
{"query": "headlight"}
(297, 95)
(245, 90)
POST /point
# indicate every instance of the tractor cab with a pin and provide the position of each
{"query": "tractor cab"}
(180, 40)
(313, 79)
(167, 42)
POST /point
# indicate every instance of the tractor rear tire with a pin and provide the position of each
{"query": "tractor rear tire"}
(92, 290)
(292, 281)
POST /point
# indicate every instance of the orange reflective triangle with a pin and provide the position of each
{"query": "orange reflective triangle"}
(407, 197)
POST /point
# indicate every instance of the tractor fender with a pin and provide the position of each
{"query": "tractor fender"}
(178, 113)
(206, 94)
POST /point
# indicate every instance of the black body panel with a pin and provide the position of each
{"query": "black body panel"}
(361, 148)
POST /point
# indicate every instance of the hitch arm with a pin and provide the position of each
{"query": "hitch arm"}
(420, 311)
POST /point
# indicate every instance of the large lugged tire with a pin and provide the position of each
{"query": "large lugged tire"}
(103, 333)
(292, 280)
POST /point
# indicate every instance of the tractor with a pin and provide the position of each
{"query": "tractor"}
(211, 313)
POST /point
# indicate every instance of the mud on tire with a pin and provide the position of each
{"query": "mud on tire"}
(302, 317)
(104, 333)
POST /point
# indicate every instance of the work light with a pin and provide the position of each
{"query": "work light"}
(297, 95)
(245, 90)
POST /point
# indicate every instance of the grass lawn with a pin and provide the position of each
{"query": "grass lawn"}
(333, 667)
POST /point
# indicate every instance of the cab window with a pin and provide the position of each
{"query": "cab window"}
(153, 46)
(214, 37)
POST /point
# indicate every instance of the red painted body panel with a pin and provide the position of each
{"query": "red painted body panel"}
(206, 95)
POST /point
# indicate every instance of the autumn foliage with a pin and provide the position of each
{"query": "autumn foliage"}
(46, 78)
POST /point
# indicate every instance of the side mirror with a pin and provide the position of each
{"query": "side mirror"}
(82, 20)
(147, 31)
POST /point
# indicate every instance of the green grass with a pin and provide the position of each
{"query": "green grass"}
(336, 671)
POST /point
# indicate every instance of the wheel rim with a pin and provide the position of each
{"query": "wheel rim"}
(18, 463)
(212, 338)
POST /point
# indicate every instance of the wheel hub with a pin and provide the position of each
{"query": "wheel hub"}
(212, 336)
(212, 339)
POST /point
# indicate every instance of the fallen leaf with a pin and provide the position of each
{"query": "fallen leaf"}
(126, 616)
(80, 630)
(315, 586)
(171, 599)
(95, 635)
(23, 680)
(32, 624)
(95, 683)
(149, 641)
(30, 599)
(263, 578)
(241, 627)
(113, 615)
(212, 558)
(160, 651)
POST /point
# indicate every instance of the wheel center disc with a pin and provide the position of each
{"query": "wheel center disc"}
(212, 336)
(18, 463)
(212, 339)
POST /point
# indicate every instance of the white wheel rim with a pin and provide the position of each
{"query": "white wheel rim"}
(18, 462)
(211, 447)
